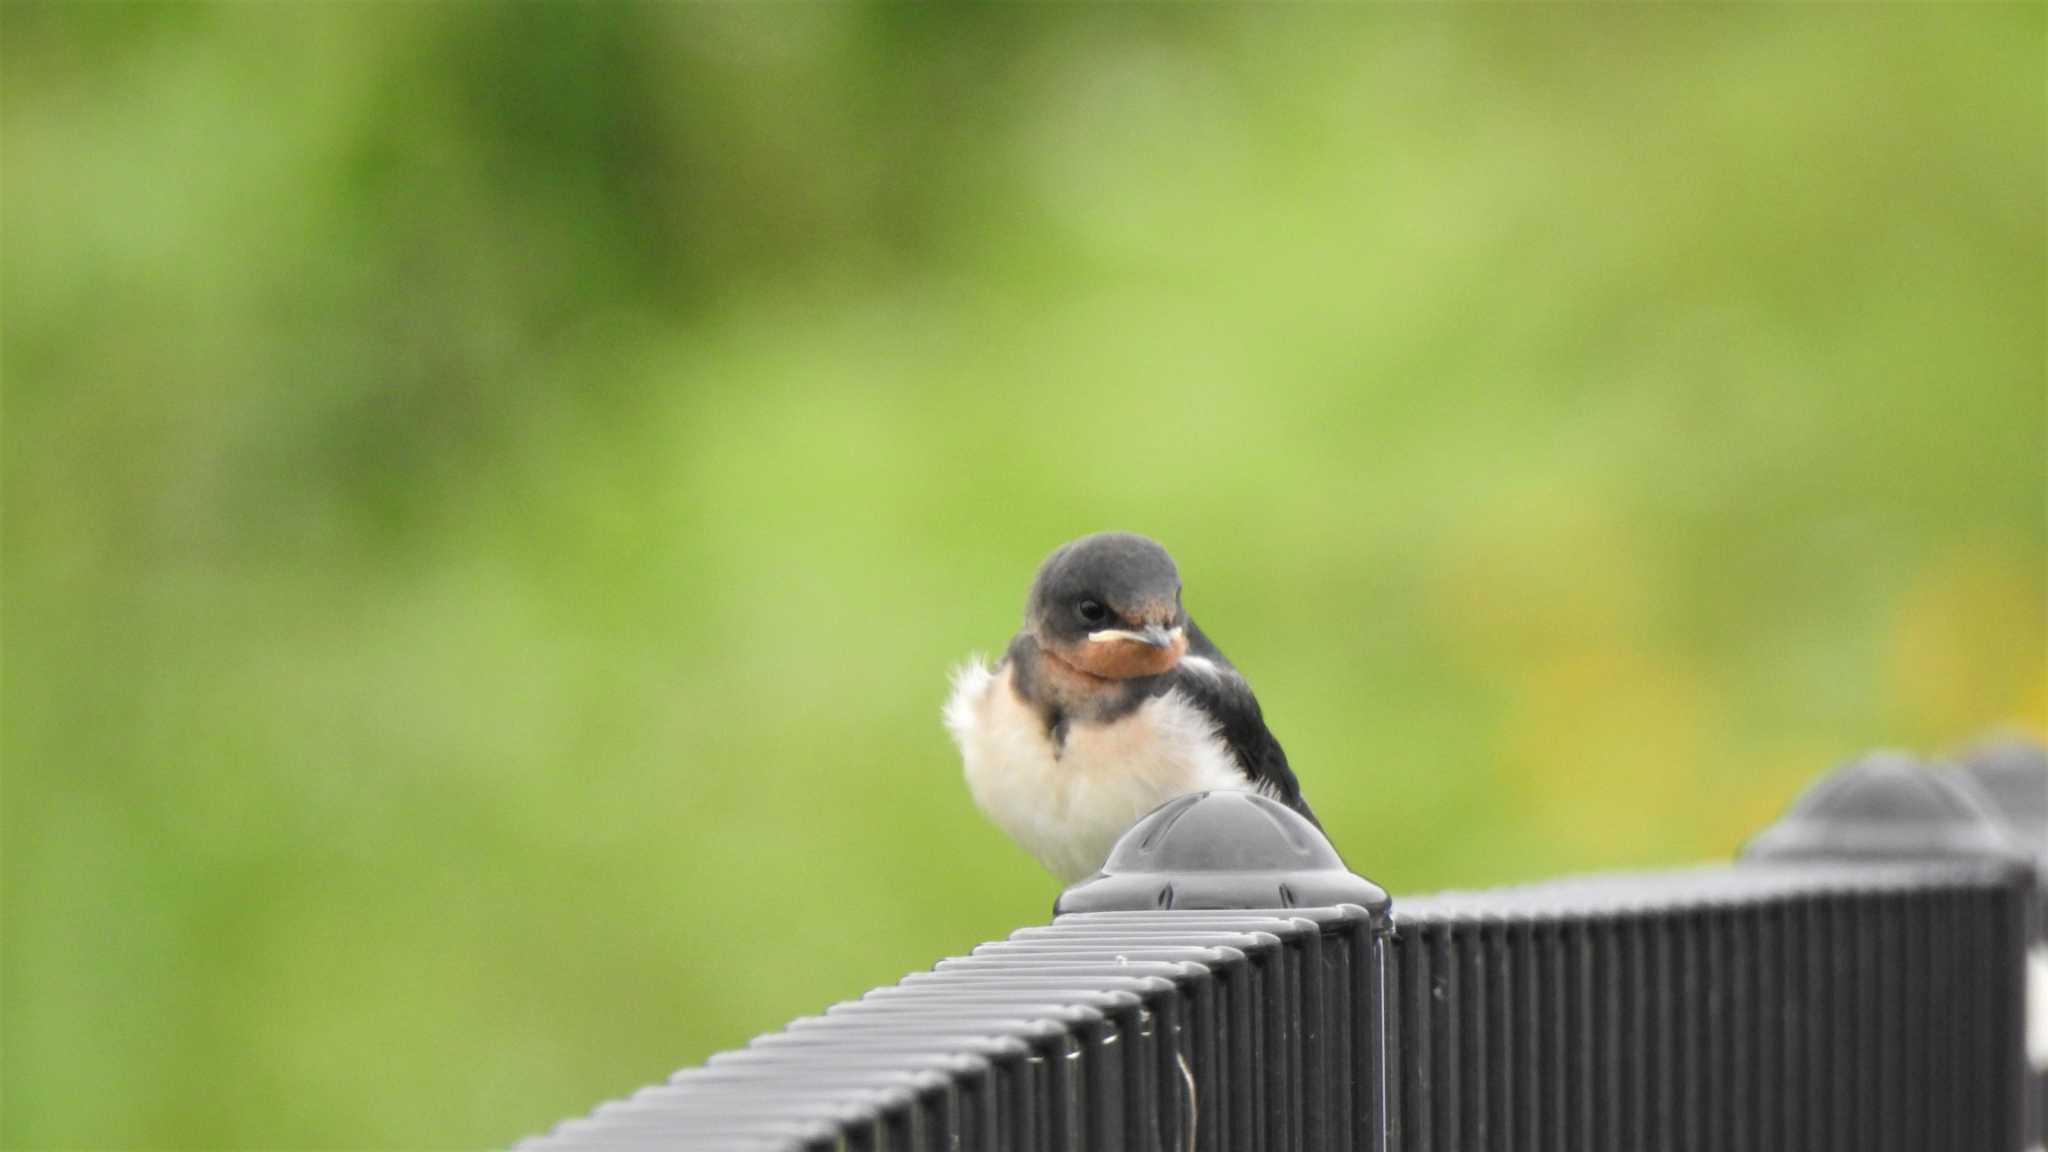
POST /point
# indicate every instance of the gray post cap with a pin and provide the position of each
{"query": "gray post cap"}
(1886, 804)
(2010, 779)
(1221, 849)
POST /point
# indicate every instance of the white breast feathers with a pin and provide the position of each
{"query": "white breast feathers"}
(1067, 805)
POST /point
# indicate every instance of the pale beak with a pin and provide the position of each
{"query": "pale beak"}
(1152, 637)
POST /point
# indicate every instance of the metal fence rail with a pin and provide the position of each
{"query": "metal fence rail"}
(1754, 1007)
(1859, 983)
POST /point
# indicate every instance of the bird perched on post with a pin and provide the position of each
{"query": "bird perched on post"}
(1108, 703)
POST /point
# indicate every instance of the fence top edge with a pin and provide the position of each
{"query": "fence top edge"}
(1751, 883)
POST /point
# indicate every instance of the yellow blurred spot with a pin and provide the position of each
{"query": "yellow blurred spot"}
(2031, 718)
(1606, 731)
(1604, 744)
(1968, 649)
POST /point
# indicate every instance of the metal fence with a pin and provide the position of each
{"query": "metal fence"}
(1803, 1007)
(1857, 981)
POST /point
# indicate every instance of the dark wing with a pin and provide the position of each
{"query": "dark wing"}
(1226, 696)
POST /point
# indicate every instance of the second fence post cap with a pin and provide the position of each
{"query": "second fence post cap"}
(1222, 849)
(2011, 775)
(1886, 804)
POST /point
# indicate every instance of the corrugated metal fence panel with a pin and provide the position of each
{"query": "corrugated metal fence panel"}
(1774, 1009)
(2010, 776)
(1213, 1031)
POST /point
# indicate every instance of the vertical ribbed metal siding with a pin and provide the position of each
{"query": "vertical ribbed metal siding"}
(2009, 776)
(1217, 1031)
(1766, 1007)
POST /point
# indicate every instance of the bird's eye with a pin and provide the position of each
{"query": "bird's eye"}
(1091, 612)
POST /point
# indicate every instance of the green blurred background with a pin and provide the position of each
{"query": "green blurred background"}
(492, 493)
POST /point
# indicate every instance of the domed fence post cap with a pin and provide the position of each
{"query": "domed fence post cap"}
(2010, 779)
(1223, 849)
(1887, 805)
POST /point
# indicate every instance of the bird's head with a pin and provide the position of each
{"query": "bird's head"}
(1109, 605)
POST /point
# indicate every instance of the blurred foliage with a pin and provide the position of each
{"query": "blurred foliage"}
(492, 492)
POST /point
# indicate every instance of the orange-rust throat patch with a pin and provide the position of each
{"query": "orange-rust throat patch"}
(1124, 659)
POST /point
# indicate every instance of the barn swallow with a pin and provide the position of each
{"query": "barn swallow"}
(1108, 703)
